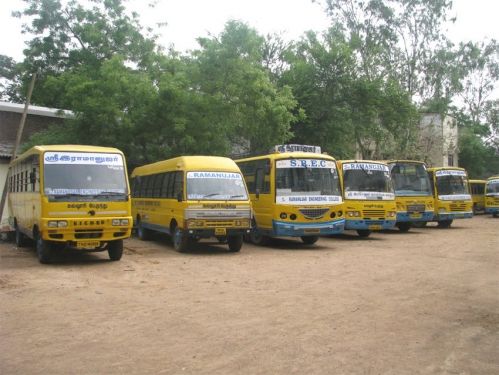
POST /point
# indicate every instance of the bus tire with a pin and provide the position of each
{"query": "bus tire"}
(43, 250)
(115, 250)
(309, 240)
(180, 240)
(444, 223)
(144, 234)
(363, 232)
(20, 238)
(235, 243)
(404, 227)
(258, 238)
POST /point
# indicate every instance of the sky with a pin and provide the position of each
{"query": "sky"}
(189, 19)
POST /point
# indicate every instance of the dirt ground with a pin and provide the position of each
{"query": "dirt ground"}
(425, 302)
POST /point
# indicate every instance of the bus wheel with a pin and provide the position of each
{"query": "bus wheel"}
(143, 233)
(309, 240)
(404, 227)
(43, 250)
(20, 238)
(115, 249)
(235, 243)
(258, 238)
(180, 240)
(444, 223)
(363, 232)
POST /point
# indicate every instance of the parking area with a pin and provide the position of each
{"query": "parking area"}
(424, 302)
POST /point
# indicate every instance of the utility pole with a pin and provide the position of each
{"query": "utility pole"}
(18, 141)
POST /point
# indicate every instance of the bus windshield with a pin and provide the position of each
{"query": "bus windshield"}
(216, 186)
(79, 175)
(307, 181)
(492, 187)
(452, 185)
(370, 181)
(410, 179)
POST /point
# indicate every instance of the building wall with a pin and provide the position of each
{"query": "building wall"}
(439, 140)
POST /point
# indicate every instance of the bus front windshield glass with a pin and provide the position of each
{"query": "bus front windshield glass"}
(452, 184)
(492, 187)
(216, 186)
(410, 179)
(370, 181)
(84, 175)
(307, 181)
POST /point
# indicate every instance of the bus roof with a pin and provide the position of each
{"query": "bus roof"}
(288, 155)
(194, 163)
(395, 161)
(64, 148)
(362, 161)
(477, 181)
(496, 177)
(446, 168)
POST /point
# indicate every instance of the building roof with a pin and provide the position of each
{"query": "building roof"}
(35, 110)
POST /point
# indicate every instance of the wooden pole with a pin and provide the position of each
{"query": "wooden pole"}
(18, 142)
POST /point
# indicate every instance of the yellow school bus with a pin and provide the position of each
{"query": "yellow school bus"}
(368, 194)
(451, 195)
(189, 198)
(72, 196)
(294, 192)
(413, 195)
(477, 189)
(492, 196)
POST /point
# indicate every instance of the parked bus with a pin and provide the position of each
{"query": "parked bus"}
(71, 195)
(189, 198)
(295, 192)
(369, 197)
(412, 193)
(451, 195)
(492, 196)
(477, 189)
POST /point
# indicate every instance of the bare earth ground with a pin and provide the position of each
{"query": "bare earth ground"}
(425, 302)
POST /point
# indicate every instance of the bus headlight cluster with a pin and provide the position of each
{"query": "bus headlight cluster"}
(119, 222)
(333, 214)
(442, 209)
(195, 223)
(392, 214)
(57, 224)
(353, 213)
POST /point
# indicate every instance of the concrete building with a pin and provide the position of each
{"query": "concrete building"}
(439, 137)
(38, 118)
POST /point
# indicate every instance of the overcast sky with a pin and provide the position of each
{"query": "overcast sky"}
(188, 19)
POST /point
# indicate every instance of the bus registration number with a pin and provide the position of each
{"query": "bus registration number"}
(375, 227)
(87, 244)
(220, 231)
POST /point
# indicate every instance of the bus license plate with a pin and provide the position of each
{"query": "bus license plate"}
(87, 244)
(220, 231)
(415, 215)
(312, 230)
(375, 227)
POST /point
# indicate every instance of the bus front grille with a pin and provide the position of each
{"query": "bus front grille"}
(415, 208)
(88, 233)
(458, 207)
(313, 213)
(368, 214)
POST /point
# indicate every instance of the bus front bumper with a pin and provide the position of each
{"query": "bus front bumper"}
(445, 216)
(369, 224)
(403, 217)
(212, 232)
(492, 210)
(287, 229)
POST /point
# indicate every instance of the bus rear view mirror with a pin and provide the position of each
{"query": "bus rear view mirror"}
(257, 193)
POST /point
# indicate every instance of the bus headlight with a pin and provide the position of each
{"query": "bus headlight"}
(442, 210)
(57, 224)
(353, 213)
(283, 215)
(118, 222)
(392, 214)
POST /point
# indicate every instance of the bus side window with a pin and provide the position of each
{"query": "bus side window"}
(164, 186)
(259, 180)
(178, 185)
(158, 180)
(32, 179)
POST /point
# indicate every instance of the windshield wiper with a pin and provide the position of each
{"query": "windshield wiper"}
(210, 195)
(111, 193)
(236, 196)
